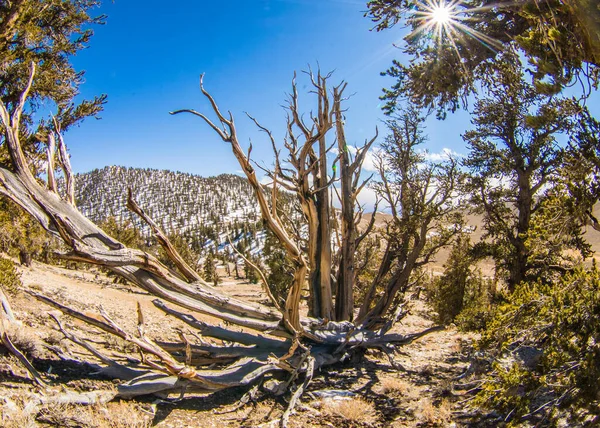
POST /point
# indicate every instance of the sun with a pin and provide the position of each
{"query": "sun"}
(449, 23)
(441, 14)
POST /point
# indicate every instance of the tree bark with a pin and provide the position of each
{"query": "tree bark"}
(344, 303)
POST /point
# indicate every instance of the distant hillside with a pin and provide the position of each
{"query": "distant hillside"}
(206, 211)
(199, 208)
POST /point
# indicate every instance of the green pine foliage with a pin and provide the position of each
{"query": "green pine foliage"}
(560, 320)
(250, 273)
(21, 234)
(369, 256)
(10, 278)
(515, 158)
(48, 33)
(558, 39)
(185, 250)
(124, 232)
(462, 295)
(209, 271)
(279, 268)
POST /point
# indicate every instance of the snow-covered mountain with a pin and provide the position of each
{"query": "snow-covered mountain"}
(203, 210)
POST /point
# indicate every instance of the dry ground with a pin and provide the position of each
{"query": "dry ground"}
(419, 386)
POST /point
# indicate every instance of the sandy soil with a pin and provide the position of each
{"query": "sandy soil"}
(417, 386)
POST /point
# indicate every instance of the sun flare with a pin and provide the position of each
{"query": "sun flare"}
(449, 23)
(441, 14)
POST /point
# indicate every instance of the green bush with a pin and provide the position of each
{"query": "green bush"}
(22, 236)
(561, 320)
(184, 249)
(279, 270)
(461, 295)
(10, 278)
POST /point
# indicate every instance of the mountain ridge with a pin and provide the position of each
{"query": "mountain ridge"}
(198, 208)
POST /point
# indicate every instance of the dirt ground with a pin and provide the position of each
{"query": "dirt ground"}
(418, 386)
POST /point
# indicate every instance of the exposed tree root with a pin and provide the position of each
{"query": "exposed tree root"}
(310, 369)
(236, 365)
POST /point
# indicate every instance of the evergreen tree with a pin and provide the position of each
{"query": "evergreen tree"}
(46, 33)
(250, 272)
(559, 38)
(210, 273)
(280, 270)
(124, 232)
(21, 236)
(461, 294)
(514, 160)
(184, 249)
(425, 212)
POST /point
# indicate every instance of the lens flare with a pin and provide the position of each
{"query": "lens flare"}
(441, 14)
(447, 23)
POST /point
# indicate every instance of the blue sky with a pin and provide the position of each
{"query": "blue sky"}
(148, 59)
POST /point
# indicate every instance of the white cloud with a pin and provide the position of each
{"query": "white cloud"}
(370, 162)
(367, 197)
(265, 181)
(444, 154)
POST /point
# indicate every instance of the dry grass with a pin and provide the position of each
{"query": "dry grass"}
(25, 339)
(13, 414)
(395, 385)
(20, 412)
(111, 415)
(432, 415)
(356, 410)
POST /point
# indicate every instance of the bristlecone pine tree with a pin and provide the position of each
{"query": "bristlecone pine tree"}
(277, 337)
(560, 40)
(296, 340)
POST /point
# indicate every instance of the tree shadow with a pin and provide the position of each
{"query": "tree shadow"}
(197, 403)
(64, 370)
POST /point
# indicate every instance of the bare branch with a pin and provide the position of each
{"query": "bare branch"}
(298, 393)
(65, 163)
(6, 309)
(369, 226)
(16, 119)
(5, 319)
(189, 273)
(50, 153)
(260, 273)
(218, 130)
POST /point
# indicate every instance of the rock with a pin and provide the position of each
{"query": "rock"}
(275, 387)
(528, 356)
(334, 394)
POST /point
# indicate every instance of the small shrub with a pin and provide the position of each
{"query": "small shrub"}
(394, 385)
(479, 309)
(435, 415)
(10, 278)
(25, 339)
(462, 295)
(561, 320)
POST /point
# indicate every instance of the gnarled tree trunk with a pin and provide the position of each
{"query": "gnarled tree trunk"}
(282, 339)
